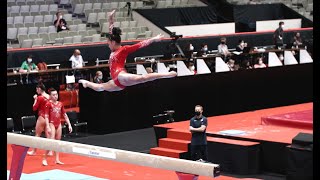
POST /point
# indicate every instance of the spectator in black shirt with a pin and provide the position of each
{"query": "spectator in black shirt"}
(278, 35)
(60, 23)
(241, 45)
(198, 126)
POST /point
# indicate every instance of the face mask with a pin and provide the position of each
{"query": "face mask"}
(29, 60)
(260, 62)
(205, 49)
(281, 57)
(197, 113)
(192, 68)
(191, 48)
(60, 16)
(282, 26)
(100, 77)
(242, 44)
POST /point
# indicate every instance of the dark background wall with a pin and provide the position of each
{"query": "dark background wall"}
(101, 51)
(20, 101)
(220, 93)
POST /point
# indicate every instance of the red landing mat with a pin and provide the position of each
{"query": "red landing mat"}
(300, 119)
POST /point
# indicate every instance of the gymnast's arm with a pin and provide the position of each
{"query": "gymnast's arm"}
(141, 44)
(66, 118)
(111, 20)
(36, 102)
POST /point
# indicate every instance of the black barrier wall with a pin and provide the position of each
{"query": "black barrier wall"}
(220, 93)
(101, 51)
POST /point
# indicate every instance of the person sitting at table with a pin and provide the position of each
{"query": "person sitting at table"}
(203, 51)
(223, 48)
(241, 45)
(77, 62)
(246, 65)
(29, 66)
(259, 63)
(76, 59)
(189, 51)
(296, 40)
(98, 78)
(239, 48)
(232, 66)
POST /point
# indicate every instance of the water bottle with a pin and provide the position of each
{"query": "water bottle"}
(97, 62)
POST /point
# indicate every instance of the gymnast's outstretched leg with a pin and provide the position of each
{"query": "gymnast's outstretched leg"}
(128, 79)
(108, 86)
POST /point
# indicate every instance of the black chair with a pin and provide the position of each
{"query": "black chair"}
(10, 126)
(28, 124)
(73, 117)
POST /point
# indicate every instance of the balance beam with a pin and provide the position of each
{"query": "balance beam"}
(161, 162)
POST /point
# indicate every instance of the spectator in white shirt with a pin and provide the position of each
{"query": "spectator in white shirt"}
(76, 59)
(222, 47)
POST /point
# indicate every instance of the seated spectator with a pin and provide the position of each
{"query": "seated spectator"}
(296, 40)
(28, 65)
(191, 67)
(241, 45)
(98, 78)
(246, 64)
(76, 59)
(204, 48)
(60, 23)
(203, 51)
(259, 63)
(223, 48)
(231, 65)
(240, 57)
(189, 51)
(149, 70)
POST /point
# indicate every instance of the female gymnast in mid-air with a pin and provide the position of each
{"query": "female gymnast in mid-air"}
(121, 78)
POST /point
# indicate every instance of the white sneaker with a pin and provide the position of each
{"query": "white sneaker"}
(31, 153)
(44, 162)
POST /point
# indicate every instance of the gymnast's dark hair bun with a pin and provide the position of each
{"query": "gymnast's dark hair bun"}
(115, 36)
(41, 86)
(116, 31)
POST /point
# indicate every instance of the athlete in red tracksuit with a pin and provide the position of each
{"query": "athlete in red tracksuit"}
(40, 101)
(120, 78)
(53, 112)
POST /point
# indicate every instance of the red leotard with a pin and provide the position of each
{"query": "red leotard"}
(54, 112)
(117, 59)
(40, 105)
